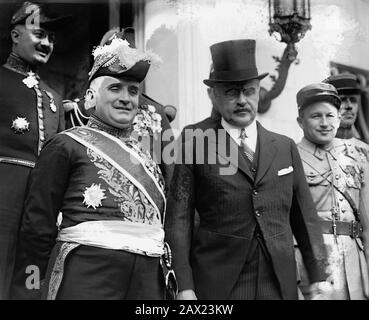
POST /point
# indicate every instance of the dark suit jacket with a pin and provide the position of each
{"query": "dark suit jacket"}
(230, 206)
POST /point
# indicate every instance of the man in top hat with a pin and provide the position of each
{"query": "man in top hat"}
(30, 114)
(247, 185)
(349, 91)
(108, 189)
(338, 183)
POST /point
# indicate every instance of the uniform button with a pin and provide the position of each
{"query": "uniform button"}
(41, 116)
(340, 199)
(253, 169)
(255, 192)
(42, 128)
(337, 176)
(42, 139)
(343, 210)
(257, 213)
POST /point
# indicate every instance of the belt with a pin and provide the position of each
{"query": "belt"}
(17, 161)
(354, 229)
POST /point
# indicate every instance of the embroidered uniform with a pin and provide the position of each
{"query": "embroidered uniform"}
(111, 234)
(30, 114)
(338, 183)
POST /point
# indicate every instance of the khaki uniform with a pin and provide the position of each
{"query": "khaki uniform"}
(337, 177)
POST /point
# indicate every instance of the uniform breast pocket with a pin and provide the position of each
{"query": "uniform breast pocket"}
(315, 178)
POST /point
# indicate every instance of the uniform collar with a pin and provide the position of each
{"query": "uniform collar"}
(17, 64)
(317, 151)
(95, 123)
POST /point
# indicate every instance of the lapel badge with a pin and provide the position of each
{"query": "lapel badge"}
(20, 125)
(52, 101)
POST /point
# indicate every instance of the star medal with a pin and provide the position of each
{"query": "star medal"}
(93, 196)
(31, 81)
(52, 101)
(20, 125)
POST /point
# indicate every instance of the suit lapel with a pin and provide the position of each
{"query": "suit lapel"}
(267, 152)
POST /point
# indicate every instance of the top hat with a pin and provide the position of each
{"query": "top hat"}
(318, 92)
(345, 83)
(233, 61)
(115, 57)
(35, 15)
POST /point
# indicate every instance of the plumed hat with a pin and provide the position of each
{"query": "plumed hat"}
(117, 58)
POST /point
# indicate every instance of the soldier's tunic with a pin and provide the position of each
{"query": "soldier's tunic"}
(111, 234)
(30, 113)
(360, 146)
(338, 182)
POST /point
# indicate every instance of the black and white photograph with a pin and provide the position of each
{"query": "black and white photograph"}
(157, 151)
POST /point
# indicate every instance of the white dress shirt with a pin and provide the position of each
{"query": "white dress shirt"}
(235, 132)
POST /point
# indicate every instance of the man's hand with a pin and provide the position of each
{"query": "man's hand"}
(186, 295)
(321, 290)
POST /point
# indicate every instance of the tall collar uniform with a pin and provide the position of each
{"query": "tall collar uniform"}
(29, 116)
(95, 123)
(17, 64)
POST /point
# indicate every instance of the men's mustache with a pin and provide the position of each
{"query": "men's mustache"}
(44, 49)
(243, 109)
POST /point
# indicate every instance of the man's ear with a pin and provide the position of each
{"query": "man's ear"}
(14, 34)
(90, 99)
(210, 91)
(299, 121)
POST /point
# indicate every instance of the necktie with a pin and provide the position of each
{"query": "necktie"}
(249, 153)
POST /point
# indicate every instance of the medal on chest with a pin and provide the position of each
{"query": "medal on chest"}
(20, 125)
(52, 101)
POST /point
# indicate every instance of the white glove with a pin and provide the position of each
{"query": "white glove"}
(321, 290)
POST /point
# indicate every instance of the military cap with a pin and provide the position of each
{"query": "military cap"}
(344, 83)
(318, 92)
(36, 15)
(117, 58)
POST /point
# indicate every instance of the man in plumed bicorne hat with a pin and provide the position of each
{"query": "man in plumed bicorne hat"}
(247, 185)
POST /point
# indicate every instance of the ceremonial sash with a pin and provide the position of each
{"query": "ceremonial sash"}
(125, 160)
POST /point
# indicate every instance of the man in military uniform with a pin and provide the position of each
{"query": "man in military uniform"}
(336, 178)
(108, 188)
(30, 114)
(349, 91)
